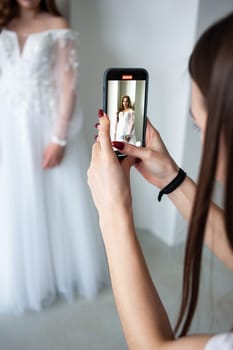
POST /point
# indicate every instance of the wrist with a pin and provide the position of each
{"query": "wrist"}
(169, 173)
(58, 141)
(173, 185)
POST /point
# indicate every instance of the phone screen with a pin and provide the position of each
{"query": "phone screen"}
(125, 102)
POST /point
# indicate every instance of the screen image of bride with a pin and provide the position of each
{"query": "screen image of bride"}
(125, 122)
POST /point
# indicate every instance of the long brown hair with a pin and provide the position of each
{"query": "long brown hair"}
(211, 67)
(9, 10)
(129, 102)
(122, 106)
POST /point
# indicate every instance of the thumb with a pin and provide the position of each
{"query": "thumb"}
(104, 133)
(131, 150)
(127, 163)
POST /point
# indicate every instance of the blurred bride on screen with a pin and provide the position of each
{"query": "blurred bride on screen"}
(124, 129)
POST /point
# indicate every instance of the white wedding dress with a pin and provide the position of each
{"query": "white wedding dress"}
(126, 127)
(50, 244)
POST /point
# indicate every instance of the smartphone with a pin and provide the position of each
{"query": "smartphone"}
(125, 92)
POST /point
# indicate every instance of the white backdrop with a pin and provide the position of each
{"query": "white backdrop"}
(159, 36)
(64, 7)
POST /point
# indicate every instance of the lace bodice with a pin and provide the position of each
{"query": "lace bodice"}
(46, 65)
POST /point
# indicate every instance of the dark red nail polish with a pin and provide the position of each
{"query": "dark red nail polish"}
(95, 137)
(96, 125)
(100, 113)
(119, 145)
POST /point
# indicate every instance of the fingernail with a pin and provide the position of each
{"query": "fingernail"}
(119, 145)
(100, 113)
(96, 125)
(95, 137)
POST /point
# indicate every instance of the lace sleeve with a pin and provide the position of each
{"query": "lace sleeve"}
(66, 78)
(131, 122)
(220, 341)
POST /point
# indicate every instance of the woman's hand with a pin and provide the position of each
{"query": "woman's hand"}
(153, 161)
(108, 178)
(53, 155)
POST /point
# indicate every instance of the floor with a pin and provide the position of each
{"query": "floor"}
(95, 325)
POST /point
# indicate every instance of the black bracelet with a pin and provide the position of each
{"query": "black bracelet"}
(176, 182)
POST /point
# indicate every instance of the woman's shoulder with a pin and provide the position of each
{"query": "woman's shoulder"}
(59, 28)
(56, 22)
(130, 111)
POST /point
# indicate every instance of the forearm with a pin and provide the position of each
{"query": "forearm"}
(215, 234)
(142, 314)
(216, 238)
(66, 77)
(65, 113)
(130, 128)
(131, 125)
(183, 197)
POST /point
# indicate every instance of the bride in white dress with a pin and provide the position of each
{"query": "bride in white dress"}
(49, 240)
(125, 122)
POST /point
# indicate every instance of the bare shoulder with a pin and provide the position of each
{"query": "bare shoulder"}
(59, 23)
(56, 22)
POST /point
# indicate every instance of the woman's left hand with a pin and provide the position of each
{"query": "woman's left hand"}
(108, 177)
(53, 155)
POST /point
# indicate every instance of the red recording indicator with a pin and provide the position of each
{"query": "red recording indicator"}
(127, 77)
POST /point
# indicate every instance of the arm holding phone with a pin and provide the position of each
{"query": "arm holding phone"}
(158, 168)
(143, 316)
(141, 311)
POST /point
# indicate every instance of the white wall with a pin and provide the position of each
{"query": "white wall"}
(156, 35)
(64, 7)
(159, 36)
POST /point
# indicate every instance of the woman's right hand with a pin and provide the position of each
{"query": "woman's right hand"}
(53, 155)
(153, 161)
